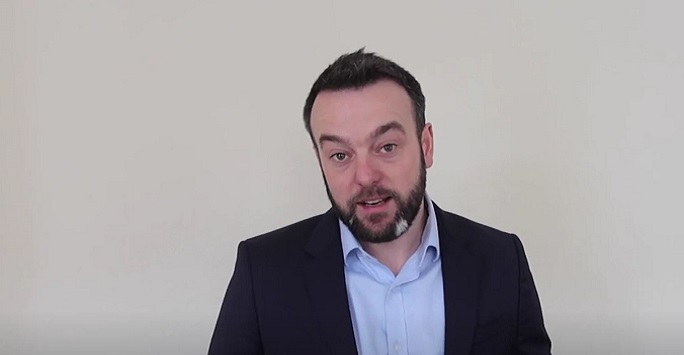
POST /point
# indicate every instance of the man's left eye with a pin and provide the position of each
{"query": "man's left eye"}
(388, 147)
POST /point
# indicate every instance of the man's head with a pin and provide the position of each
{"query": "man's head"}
(366, 118)
(358, 69)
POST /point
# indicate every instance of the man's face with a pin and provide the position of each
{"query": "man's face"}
(373, 160)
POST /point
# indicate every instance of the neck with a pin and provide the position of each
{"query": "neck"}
(394, 254)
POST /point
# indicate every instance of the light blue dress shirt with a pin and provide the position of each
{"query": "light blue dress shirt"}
(402, 314)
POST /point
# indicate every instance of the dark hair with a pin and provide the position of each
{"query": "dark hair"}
(358, 69)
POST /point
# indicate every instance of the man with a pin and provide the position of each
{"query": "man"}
(385, 271)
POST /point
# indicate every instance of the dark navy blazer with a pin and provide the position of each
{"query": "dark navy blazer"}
(288, 293)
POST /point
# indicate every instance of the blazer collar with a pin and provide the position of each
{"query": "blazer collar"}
(461, 268)
(327, 287)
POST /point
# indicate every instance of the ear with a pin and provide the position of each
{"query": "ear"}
(427, 143)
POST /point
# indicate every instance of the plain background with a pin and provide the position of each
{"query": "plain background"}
(140, 141)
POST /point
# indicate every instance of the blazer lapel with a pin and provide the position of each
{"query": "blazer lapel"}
(327, 288)
(460, 274)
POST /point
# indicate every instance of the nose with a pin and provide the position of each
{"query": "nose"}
(367, 172)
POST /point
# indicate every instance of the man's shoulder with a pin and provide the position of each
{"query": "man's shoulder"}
(294, 235)
(475, 234)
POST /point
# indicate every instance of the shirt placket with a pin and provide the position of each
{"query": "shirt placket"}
(395, 317)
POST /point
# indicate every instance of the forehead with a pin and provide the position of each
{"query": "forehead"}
(355, 112)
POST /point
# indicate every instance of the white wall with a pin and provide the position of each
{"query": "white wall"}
(140, 141)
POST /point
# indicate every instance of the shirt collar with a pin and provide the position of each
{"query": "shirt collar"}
(429, 239)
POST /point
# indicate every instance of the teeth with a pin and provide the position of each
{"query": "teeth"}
(373, 203)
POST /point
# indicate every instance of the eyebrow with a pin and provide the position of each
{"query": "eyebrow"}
(333, 139)
(386, 128)
(375, 134)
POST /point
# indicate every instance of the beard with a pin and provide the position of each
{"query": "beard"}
(407, 210)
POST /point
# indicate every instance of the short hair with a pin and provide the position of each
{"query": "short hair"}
(358, 69)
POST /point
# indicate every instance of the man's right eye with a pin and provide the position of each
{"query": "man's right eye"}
(339, 156)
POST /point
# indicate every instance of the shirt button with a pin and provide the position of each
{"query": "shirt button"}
(397, 347)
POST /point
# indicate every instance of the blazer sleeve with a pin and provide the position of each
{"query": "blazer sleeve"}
(237, 328)
(532, 336)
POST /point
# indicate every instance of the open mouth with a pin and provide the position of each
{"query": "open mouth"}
(374, 202)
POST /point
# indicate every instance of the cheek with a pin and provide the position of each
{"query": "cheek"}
(338, 183)
(406, 174)
(335, 179)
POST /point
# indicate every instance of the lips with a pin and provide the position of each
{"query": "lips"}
(374, 202)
